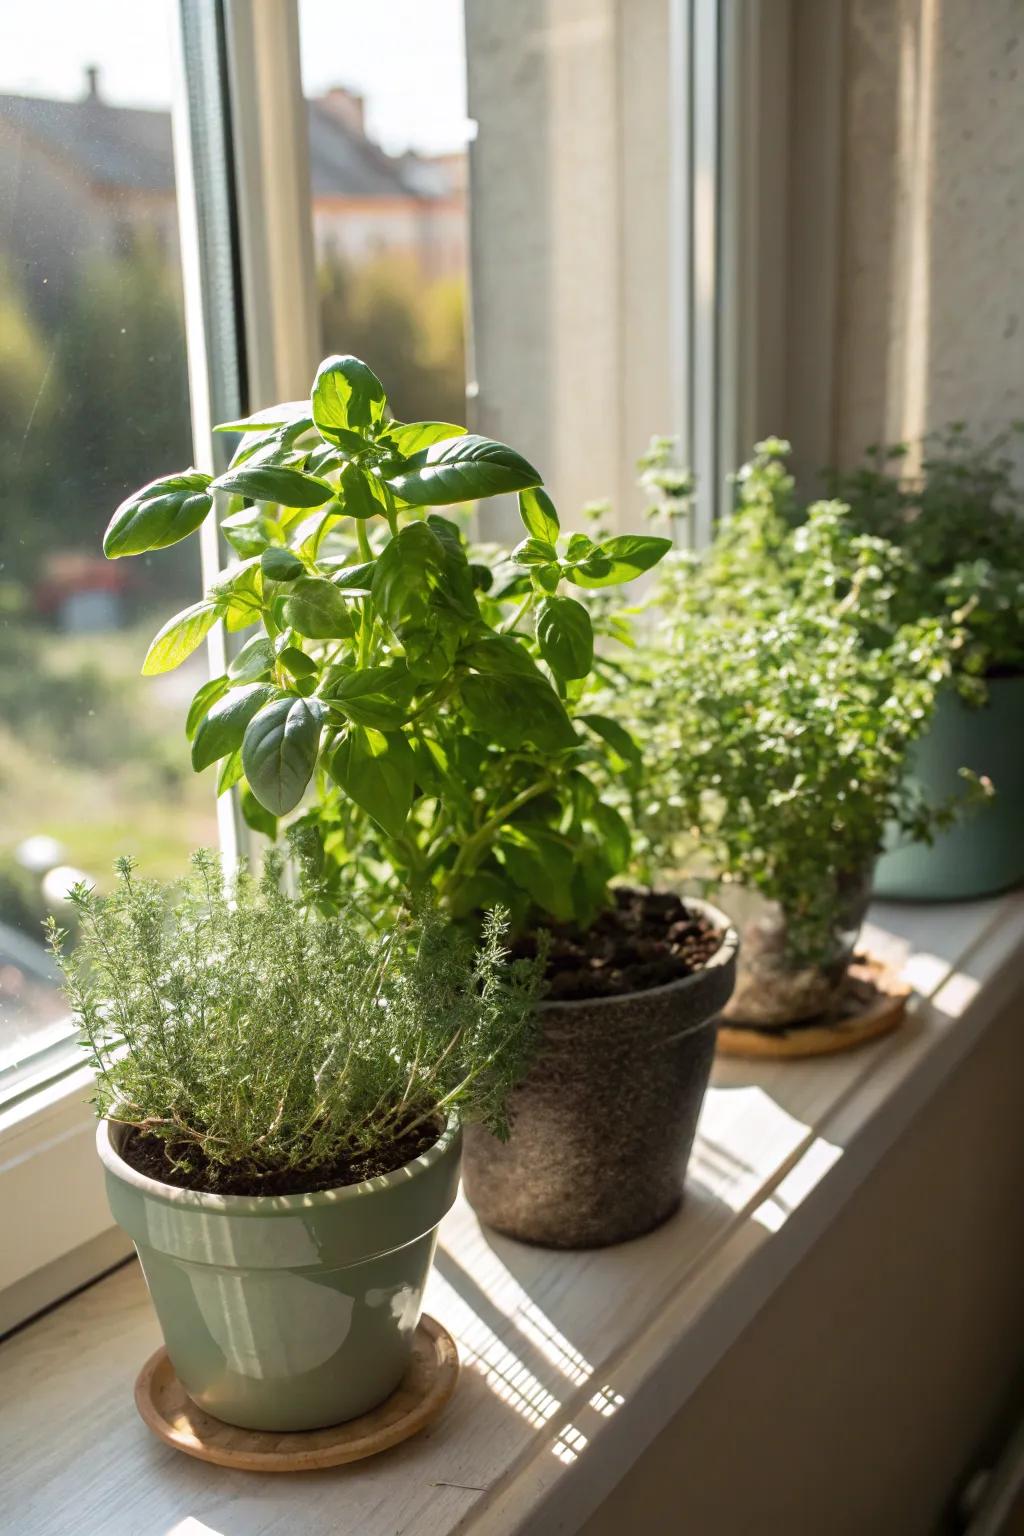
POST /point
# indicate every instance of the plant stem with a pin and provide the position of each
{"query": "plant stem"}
(390, 511)
(434, 698)
(474, 846)
(366, 609)
(520, 613)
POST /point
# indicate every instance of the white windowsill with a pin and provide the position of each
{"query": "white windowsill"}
(572, 1363)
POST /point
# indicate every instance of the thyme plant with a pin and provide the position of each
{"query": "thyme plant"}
(960, 522)
(436, 703)
(776, 735)
(257, 1039)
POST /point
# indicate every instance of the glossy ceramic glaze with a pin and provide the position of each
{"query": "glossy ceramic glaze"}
(603, 1125)
(984, 852)
(287, 1312)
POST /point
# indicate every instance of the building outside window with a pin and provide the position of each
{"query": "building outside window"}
(389, 187)
(93, 401)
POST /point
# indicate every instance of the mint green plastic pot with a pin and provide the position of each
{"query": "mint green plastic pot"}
(285, 1312)
(984, 852)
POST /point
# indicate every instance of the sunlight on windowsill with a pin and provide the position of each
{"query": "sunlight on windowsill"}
(798, 1183)
(742, 1138)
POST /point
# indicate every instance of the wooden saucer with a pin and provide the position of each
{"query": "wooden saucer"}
(872, 1003)
(423, 1392)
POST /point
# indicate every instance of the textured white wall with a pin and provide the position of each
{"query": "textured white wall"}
(884, 249)
(931, 265)
(569, 236)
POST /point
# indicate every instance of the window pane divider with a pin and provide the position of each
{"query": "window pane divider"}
(272, 182)
(242, 167)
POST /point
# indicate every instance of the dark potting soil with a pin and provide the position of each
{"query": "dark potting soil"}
(647, 939)
(148, 1154)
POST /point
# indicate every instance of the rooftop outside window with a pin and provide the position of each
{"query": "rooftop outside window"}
(389, 179)
(93, 399)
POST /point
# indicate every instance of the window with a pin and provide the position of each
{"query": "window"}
(93, 401)
(389, 174)
(595, 291)
(554, 202)
(498, 218)
(529, 157)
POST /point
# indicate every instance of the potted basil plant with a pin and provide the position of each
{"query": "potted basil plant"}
(960, 523)
(281, 1101)
(419, 710)
(778, 738)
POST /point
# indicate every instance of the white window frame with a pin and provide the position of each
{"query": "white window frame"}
(730, 132)
(242, 180)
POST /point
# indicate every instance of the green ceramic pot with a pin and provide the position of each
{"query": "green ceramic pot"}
(284, 1312)
(984, 852)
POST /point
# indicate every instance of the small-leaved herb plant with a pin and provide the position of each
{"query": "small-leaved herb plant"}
(776, 735)
(435, 701)
(257, 1039)
(959, 520)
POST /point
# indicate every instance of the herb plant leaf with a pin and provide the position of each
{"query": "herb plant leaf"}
(537, 511)
(347, 397)
(206, 694)
(565, 635)
(289, 413)
(619, 559)
(279, 751)
(281, 565)
(516, 709)
(408, 438)
(461, 469)
(315, 608)
(378, 770)
(179, 638)
(267, 482)
(160, 514)
(223, 727)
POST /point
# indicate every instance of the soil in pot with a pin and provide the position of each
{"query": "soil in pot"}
(155, 1157)
(647, 939)
(603, 1124)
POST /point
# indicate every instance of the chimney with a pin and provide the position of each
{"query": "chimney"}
(348, 107)
(92, 82)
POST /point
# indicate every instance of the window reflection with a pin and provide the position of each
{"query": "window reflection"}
(93, 401)
(388, 172)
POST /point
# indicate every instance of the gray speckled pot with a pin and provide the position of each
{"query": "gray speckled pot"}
(285, 1312)
(603, 1124)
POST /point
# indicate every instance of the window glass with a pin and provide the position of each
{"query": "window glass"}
(388, 166)
(547, 122)
(93, 401)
